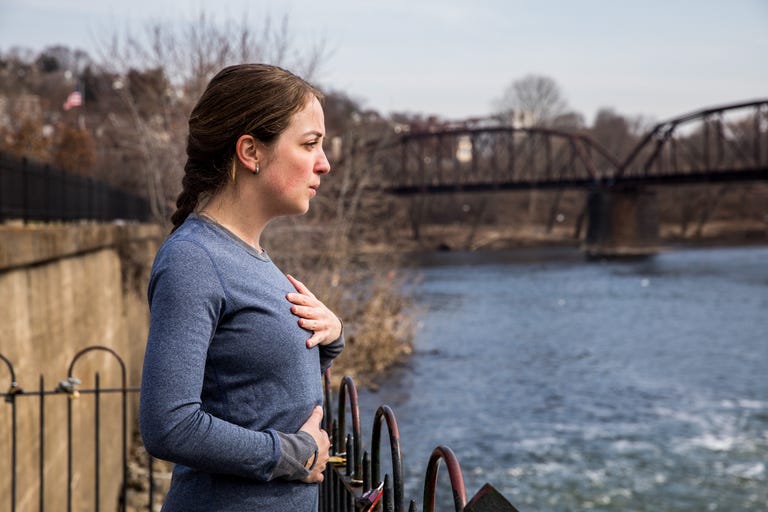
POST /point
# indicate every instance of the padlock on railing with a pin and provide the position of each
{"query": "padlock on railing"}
(69, 386)
(14, 390)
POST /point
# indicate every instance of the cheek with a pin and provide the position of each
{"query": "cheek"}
(291, 171)
(290, 182)
(288, 179)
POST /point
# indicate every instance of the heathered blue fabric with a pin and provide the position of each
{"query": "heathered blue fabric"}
(226, 366)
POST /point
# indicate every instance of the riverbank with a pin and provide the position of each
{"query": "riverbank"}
(373, 349)
(366, 284)
(456, 237)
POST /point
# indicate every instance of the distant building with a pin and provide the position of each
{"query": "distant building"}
(5, 118)
(26, 107)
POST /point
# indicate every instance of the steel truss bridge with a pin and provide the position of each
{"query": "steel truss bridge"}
(718, 144)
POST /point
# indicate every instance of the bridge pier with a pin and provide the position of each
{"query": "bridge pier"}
(623, 222)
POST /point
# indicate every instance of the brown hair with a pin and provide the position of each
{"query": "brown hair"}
(255, 99)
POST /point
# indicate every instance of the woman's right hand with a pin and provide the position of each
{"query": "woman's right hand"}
(312, 427)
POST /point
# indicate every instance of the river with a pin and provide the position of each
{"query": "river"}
(573, 385)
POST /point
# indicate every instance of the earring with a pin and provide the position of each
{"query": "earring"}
(256, 170)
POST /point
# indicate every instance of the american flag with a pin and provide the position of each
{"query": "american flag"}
(75, 99)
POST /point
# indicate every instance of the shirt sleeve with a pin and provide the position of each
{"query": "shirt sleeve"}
(295, 451)
(186, 299)
(331, 351)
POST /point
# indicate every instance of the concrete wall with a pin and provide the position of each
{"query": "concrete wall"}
(64, 288)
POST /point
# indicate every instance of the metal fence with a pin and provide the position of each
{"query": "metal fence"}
(31, 190)
(353, 480)
(70, 390)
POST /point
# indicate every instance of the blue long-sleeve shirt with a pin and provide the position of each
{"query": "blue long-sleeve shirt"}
(228, 379)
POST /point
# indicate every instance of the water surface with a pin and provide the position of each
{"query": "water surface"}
(574, 385)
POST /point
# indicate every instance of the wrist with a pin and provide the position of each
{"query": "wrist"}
(310, 464)
(341, 325)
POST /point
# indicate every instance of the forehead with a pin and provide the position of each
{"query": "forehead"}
(308, 119)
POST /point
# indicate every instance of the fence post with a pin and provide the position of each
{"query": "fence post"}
(124, 391)
(347, 388)
(24, 184)
(3, 163)
(385, 413)
(10, 397)
(41, 435)
(454, 472)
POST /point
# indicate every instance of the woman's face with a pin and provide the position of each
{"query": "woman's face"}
(296, 162)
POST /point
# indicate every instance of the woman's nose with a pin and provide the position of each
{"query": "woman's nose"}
(323, 166)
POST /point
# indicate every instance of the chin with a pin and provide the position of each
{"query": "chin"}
(300, 210)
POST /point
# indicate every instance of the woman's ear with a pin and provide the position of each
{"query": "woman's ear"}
(247, 152)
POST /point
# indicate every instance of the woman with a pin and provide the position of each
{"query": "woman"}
(231, 387)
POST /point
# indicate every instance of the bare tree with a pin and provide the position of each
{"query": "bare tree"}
(615, 132)
(532, 100)
(536, 100)
(161, 71)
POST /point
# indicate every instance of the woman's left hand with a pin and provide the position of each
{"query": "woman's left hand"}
(313, 315)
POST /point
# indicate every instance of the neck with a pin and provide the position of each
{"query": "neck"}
(245, 225)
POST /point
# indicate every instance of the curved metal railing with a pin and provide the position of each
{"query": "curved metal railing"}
(353, 478)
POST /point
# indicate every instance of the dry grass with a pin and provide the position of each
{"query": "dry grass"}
(369, 294)
(379, 331)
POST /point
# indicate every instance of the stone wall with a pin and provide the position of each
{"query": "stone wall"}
(65, 288)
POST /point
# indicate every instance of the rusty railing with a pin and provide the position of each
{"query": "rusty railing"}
(353, 480)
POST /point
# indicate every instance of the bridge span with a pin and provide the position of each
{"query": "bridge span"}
(727, 143)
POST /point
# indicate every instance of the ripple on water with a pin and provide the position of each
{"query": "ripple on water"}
(575, 386)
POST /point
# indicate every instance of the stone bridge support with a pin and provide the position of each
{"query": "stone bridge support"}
(622, 222)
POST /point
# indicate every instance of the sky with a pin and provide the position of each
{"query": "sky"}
(653, 58)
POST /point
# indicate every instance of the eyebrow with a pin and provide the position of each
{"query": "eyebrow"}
(314, 132)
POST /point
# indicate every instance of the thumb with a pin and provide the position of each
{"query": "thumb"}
(317, 414)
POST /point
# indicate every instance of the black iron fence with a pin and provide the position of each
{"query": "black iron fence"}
(353, 479)
(68, 388)
(31, 190)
